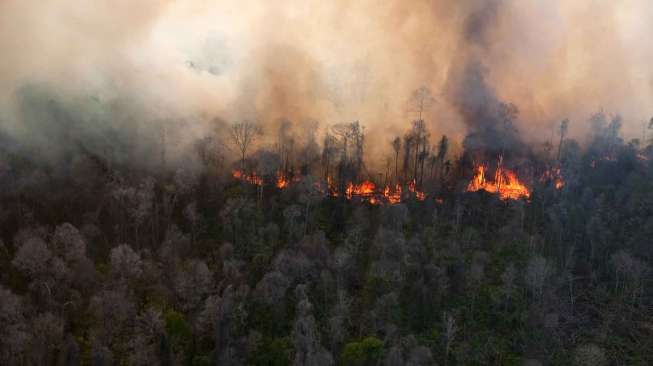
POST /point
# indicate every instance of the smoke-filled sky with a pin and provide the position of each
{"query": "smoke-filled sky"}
(333, 61)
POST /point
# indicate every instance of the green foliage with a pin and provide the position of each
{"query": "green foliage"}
(178, 330)
(367, 351)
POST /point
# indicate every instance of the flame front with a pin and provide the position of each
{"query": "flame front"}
(366, 190)
(505, 184)
(250, 178)
(393, 196)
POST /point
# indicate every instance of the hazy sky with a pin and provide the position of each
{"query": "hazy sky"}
(333, 61)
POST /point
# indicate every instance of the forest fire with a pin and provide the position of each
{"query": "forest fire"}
(282, 182)
(554, 176)
(393, 196)
(505, 183)
(366, 190)
(251, 178)
(412, 187)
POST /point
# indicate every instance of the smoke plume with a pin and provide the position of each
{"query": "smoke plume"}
(115, 66)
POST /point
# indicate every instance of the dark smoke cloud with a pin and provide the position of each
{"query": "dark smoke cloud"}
(489, 121)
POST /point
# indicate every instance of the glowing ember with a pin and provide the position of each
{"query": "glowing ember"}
(412, 187)
(393, 196)
(365, 189)
(420, 195)
(250, 178)
(555, 176)
(282, 182)
(505, 183)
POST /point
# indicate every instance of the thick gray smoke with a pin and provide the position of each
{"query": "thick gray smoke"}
(490, 122)
(111, 70)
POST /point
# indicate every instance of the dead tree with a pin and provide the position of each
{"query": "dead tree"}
(564, 126)
(243, 135)
(396, 146)
(408, 148)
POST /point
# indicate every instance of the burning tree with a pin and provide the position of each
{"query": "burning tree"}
(350, 137)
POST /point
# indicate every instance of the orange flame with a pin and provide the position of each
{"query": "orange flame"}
(505, 183)
(365, 189)
(553, 175)
(393, 196)
(412, 187)
(250, 178)
(281, 182)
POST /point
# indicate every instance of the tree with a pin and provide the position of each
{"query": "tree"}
(564, 127)
(311, 192)
(396, 146)
(306, 336)
(409, 141)
(243, 135)
(420, 138)
(328, 150)
(69, 243)
(367, 351)
(271, 289)
(125, 263)
(443, 147)
(145, 343)
(590, 355)
(33, 257)
(351, 138)
(420, 100)
(47, 339)
(14, 335)
(192, 283)
(285, 144)
(630, 273)
(450, 329)
(537, 272)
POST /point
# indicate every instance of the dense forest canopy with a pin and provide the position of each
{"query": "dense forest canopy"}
(301, 252)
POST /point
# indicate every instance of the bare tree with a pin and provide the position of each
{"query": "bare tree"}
(243, 135)
(443, 147)
(564, 127)
(396, 146)
(351, 138)
(328, 151)
(408, 145)
(421, 99)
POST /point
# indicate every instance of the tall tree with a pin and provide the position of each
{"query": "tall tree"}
(396, 146)
(243, 135)
(408, 148)
(443, 147)
(564, 127)
(420, 138)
